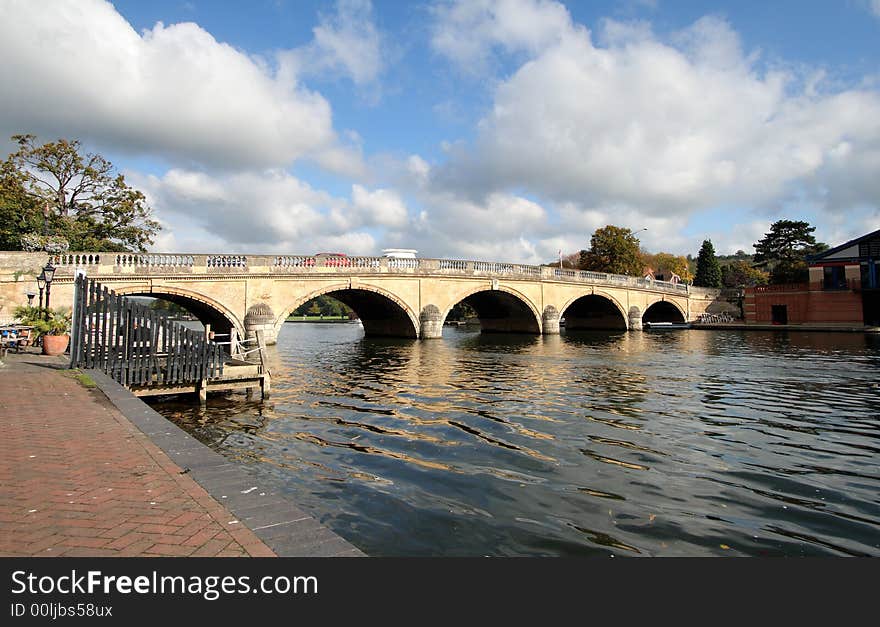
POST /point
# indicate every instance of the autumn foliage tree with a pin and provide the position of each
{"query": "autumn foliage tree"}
(740, 273)
(86, 200)
(667, 263)
(613, 249)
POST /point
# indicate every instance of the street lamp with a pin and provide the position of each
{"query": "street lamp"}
(41, 283)
(48, 275)
(640, 230)
(30, 297)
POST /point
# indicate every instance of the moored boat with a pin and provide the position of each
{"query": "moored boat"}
(667, 325)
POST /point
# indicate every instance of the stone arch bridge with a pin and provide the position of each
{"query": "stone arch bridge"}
(408, 298)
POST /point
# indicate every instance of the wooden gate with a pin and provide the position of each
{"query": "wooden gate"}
(136, 345)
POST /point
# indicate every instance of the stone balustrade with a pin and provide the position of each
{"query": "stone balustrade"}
(98, 264)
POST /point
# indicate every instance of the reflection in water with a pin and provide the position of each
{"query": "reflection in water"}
(663, 443)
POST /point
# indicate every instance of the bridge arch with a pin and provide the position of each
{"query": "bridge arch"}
(500, 309)
(664, 311)
(381, 312)
(206, 309)
(594, 310)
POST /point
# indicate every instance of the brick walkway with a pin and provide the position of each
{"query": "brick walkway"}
(78, 479)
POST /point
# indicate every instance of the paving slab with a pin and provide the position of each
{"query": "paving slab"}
(96, 472)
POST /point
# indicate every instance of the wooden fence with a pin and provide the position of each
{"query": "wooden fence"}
(136, 345)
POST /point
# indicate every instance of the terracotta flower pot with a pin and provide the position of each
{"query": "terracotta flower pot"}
(55, 344)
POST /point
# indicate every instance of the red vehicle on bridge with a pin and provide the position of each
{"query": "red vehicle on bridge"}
(333, 260)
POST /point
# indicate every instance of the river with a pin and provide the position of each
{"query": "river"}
(663, 443)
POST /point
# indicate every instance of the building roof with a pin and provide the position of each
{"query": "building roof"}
(848, 250)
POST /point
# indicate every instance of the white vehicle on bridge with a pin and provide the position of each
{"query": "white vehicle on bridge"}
(400, 253)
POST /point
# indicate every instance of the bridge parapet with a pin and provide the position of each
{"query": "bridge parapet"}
(220, 264)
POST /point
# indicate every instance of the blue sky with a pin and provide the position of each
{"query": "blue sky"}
(504, 129)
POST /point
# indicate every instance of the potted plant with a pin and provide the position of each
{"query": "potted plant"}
(56, 331)
(52, 325)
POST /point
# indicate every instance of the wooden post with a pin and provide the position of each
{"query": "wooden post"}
(234, 348)
(265, 379)
(261, 344)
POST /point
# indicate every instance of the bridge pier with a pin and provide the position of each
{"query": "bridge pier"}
(635, 318)
(550, 320)
(430, 323)
(260, 317)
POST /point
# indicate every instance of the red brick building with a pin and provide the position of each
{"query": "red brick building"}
(844, 289)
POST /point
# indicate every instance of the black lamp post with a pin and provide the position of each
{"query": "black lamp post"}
(30, 297)
(49, 275)
(41, 283)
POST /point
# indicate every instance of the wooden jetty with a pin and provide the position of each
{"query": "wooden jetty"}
(150, 354)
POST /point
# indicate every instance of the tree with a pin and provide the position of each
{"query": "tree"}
(784, 249)
(708, 270)
(461, 311)
(323, 306)
(667, 263)
(613, 249)
(740, 273)
(19, 211)
(87, 201)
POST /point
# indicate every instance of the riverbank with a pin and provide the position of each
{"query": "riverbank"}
(87, 470)
(320, 320)
(741, 326)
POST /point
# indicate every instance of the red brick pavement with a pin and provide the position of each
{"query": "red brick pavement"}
(78, 479)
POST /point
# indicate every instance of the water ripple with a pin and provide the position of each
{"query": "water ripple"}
(702, 443)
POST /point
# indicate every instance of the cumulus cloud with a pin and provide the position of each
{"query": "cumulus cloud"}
(502, 226)
(76, 68)
(467, 32)
(382, 207)
(668, 126)
(346, 43)
(268, 211)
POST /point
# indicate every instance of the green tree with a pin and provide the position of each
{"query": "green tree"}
(708, 270)
(19, 211)
(323, 306)
(461, 311)
(740, 273)
(613, 249)
(784, 249)
(89, 203)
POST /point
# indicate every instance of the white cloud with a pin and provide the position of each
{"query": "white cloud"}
(269, 211)
(349, 42)
(667, 127)
(502, 227)
(76, 68)
(467, 31)
(874, 6)
(382, 207)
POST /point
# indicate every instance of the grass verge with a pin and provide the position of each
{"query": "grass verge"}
(82, 378)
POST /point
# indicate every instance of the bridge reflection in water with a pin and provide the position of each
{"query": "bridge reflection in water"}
(601, 442)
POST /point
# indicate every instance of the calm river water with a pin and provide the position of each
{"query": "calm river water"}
(666, 443)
